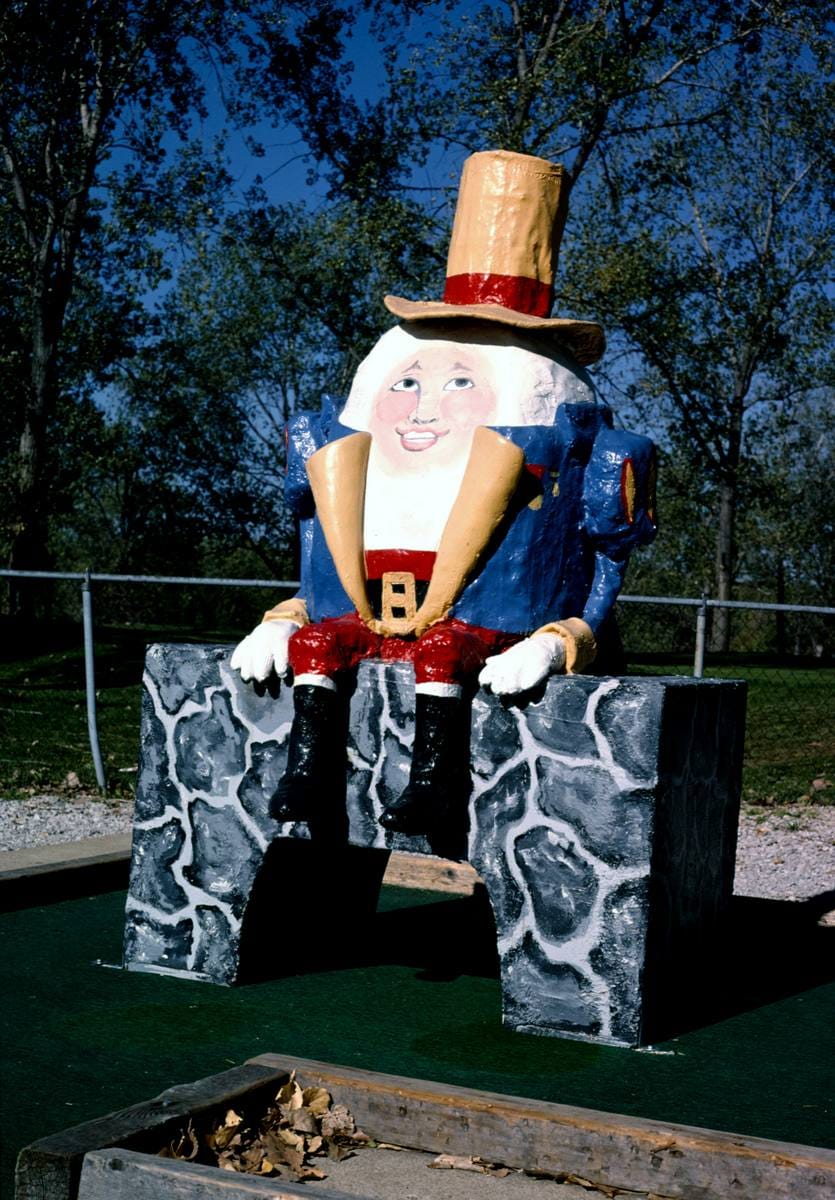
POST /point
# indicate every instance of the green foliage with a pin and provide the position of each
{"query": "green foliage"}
(269, 313)
(175, 331)
(713, 267)
(88, 95)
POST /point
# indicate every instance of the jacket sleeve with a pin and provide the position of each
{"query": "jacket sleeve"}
(303, 436)
(618, 512)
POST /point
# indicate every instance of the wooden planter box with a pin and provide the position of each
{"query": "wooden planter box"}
(113, 1158)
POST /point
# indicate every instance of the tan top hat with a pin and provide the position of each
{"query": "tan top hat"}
(503, 252)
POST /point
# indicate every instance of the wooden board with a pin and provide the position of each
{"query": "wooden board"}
(126, 1175)
(607, 1149)
(49, 1169)
(669, 1162)
(44, 874)
(370, 1174)
(430, 874)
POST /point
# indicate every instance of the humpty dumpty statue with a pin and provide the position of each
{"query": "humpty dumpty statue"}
(471, 510)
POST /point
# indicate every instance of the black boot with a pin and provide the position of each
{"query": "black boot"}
(312, 755)
(439, 780)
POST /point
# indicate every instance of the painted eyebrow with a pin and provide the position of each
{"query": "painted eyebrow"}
(461, 367)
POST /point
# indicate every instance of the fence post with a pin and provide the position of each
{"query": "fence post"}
(701, 634)
(90, 682)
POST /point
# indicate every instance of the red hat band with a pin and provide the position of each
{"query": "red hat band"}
(510, 291)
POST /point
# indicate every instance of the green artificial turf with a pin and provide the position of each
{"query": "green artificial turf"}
(414, 994)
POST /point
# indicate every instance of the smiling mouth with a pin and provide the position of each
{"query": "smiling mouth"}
(420, 439)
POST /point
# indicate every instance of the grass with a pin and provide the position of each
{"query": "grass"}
(44, 744)
(790, 729)
(790, 741)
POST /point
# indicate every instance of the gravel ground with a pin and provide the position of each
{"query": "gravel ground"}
(788, 854)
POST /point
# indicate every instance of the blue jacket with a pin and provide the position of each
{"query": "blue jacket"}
(565, 505)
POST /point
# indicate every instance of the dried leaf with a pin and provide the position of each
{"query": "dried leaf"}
(294, 1159)
(316, 1099)
(337, 1121)
(290, 1095)
(185, 1147)
(297, 1125)
(274, 1148)
(281, 1153)
(290, 1138)
(253, 1159)
(220, 1138)
(230, 1161)
(303, 1121)
(497, 1170)
(455, 1162)
(603, 1188)
(458, 1162)
(311, 1173)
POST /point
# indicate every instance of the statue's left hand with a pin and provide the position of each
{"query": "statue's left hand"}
(524, 665)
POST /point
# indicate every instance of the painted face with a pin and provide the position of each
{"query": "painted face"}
(425, 412)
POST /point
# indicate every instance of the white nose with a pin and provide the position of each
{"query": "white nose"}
(426, 410)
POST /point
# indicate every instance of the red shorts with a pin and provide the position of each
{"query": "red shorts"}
(449, 652)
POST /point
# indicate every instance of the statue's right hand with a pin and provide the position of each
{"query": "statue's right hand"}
(263, 650)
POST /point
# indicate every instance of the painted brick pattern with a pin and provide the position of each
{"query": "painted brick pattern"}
(602, 821)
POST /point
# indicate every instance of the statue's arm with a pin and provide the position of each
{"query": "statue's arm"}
(266, 648)
(619, 514)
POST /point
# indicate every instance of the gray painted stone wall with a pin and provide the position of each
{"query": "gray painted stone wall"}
(602, 821)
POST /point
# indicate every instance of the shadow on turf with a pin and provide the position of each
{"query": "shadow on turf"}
(326, 901)
(767, 951)
(308, 914)
(772, 949)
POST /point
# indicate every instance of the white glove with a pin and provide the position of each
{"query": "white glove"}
(524, 665)
(263, 649)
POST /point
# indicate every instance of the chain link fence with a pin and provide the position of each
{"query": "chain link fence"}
(69, 687)
(785, 653)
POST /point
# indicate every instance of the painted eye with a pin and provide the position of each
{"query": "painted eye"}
(458, 384)
(408, 384)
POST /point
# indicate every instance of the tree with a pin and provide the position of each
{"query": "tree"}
(715, 266)
(697, 161)
(650, 103)
(561, 80)
(87, 93)
(270, 312)
(787, 534)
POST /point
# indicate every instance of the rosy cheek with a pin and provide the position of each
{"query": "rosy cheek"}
(394, 407)
(468, 407)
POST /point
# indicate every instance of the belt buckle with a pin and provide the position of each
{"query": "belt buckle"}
(398, 603)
